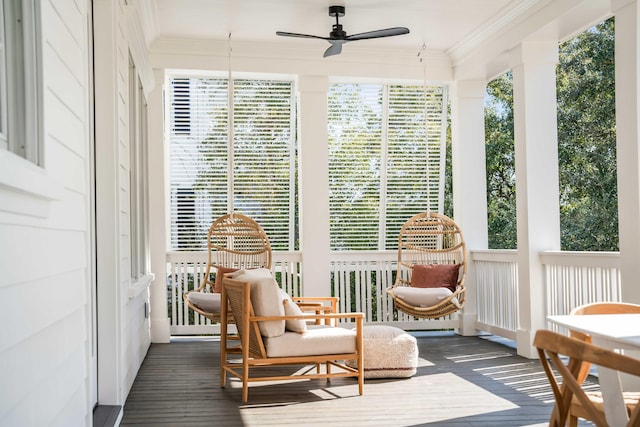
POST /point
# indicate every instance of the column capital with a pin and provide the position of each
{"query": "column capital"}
(619, 4)
(534, 52)
(469, 89)
(313, 83)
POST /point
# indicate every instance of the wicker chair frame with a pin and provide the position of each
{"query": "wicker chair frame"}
(430, 238)
(234, 241)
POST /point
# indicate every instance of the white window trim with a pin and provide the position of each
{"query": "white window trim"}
(25, 185)
(21, 81)
(26, 188)
(140, 285)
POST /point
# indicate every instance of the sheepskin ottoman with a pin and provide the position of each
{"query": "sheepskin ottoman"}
(389, 352)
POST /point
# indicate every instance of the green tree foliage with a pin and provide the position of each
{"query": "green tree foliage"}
(587, 141)
(586, 147)
(501, 177)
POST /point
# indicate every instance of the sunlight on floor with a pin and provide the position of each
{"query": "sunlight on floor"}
(437, 399)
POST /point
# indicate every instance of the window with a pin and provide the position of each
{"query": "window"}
(236, 152)
(180, 107)
(392, 139)
(138, 184)
(19, 79)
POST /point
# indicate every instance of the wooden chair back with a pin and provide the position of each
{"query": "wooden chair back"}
(552, 347)
(598, 308)
(238, 297)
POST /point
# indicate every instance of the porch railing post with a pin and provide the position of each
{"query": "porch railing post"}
(627, 72)
(469, 182)
(314, 185)
(537, 187)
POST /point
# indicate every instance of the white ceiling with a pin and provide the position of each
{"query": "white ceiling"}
(441, 24)
(463, 31)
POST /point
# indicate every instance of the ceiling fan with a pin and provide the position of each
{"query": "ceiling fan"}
(338, 36)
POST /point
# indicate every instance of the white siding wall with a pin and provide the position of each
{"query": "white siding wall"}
(45, 287)
(45, 230)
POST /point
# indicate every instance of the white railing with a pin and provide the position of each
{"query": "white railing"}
(577, 278)
(496, 273)
(360, 280)
(570, 279)
(186, 270)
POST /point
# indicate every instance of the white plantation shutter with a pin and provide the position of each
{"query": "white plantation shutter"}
(264, 167)
(355, 140)
(413, 179)
(386, 161)
(256, 181)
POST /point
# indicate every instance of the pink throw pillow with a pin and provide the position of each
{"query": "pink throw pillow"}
(217, 285)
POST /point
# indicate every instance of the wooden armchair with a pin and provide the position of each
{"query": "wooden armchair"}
(273, 330)
(551, 347)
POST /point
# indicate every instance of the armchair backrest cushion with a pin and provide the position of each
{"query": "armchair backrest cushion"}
(266, 299)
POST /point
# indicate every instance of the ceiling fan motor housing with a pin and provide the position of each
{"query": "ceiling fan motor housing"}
(337, 37)
(336, 11)
(338, 33)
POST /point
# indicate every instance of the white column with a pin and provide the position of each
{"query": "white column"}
(314, 185)
(537, 188)
(627, 15)
(109, 292)
(469, 181)
(158, 208)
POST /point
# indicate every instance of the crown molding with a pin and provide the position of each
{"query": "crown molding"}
(298, 58)
(513, 14)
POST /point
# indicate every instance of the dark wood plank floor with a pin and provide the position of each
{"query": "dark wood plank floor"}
(461, 381)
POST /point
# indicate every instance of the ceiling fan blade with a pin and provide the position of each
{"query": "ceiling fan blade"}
(334, 49)
(306, 36)
(387, 32)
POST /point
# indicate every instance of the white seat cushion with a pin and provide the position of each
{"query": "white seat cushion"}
(205, 301)
(266, 299)
(423, 297)
(317, 340)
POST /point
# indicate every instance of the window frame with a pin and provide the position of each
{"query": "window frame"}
(227, 152)
(383, 103)
(25, 185)
(138, 177)
(21, 80)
